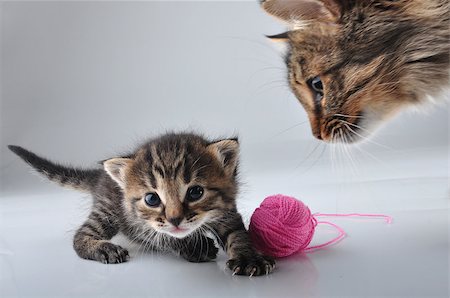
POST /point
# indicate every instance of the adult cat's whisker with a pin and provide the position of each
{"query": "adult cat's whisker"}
(333, 135)
(265, 70)
(349, 116)
(308, 156)
(263, 45)
(324, 147)
(361, 128)
(353, 124)
(289, 128)
(375, 158)
(367, 139)
(347, 151)
(273, 84)
(364, 137)
(338, 151)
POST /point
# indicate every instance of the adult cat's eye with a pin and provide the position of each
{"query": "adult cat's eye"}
(317, 86)
(152, 199)
(194, 193)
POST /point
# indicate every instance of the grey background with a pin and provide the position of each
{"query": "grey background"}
(84, 81)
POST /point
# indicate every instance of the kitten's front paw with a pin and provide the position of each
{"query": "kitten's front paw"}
(202, 250)
(251, 265)
(109, 253)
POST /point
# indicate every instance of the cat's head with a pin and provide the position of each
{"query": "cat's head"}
(353, 64)
(177, 183)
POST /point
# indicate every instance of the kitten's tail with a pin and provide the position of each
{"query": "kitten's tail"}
(79, 179)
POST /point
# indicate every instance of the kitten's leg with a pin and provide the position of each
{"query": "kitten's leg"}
(91, 241)
(198, 248)
(243, 258)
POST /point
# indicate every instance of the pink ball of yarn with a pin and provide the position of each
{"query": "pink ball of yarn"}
(281, 226)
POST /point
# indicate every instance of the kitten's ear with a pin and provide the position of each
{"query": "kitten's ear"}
(294, 11)
(227, 152)
(116, 167)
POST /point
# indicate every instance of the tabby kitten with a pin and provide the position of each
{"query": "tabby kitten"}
(354, 63)
(171, 194)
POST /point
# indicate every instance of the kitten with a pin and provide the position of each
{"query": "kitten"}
(167, 195)
(354, 63)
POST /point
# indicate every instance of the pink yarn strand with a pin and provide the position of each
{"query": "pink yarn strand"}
(386, 217)
(342, 233)
(338, 238)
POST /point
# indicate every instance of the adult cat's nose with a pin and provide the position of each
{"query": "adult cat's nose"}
(318, 134)
(175, 220)
(316, 130)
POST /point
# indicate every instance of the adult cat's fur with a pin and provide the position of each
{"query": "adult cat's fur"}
(354, 63)
(147, 195)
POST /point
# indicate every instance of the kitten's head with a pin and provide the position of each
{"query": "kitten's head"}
(177, 183)
(353, 63)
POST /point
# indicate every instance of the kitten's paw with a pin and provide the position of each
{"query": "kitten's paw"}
(253, 265)
(203, 250)
(109, 253)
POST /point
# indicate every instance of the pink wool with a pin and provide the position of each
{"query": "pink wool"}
(281, 226)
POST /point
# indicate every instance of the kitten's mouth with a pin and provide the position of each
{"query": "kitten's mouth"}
(178, 230)
(184, 229)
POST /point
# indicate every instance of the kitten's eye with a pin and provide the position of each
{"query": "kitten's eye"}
(316, 85)
(194, 193)
(152, 199)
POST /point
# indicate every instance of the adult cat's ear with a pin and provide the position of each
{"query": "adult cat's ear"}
(280, 41)
(293, 11)
(116, 167)
(227, 152)
(282, 37)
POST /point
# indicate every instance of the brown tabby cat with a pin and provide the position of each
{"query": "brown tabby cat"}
(171, 194)
(353, 63)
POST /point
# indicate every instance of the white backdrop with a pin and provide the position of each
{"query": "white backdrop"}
(83, 81)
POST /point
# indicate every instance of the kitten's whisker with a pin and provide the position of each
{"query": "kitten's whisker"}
(252, 76)
(215, 234)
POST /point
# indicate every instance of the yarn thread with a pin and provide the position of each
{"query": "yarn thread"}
(283, 225)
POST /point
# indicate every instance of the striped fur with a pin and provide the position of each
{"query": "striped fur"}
(79, 179)
(169, 166)
(374, 57)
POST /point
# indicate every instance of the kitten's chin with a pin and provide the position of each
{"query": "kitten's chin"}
(179, 233)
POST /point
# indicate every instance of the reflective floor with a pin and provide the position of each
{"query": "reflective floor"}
(408, 258)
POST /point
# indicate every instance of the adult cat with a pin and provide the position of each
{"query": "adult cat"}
(353, 64)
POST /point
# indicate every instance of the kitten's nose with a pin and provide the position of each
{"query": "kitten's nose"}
(175, 220)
